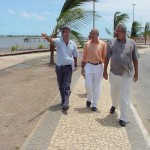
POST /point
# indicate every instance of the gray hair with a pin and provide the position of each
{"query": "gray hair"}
(94, 29)
(122, 26)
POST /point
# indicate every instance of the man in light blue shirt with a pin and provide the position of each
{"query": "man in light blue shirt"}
(66, 63)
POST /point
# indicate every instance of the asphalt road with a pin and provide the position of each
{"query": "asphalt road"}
(141, 90)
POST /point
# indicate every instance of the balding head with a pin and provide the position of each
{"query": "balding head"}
(95, 30)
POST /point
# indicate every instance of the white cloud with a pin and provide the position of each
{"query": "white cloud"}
(11, 11)
(46, 13)
(38, 17)
(107, 8)
(32, 15)
(26, 15)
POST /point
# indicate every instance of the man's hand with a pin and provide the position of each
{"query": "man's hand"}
(83, 73)
(105, 75)
(44, 34)
(135, 77)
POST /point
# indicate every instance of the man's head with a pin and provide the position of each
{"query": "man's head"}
(64, 28)
(94, 34)
(120, 31)
(65, 31)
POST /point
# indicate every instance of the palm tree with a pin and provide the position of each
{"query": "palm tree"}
(74, 16)
(146, 31)
(136, 29)
(118, 18)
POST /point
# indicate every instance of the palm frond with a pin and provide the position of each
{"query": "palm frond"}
(78, 37)
(136, 29)
(76, 18)
(108, 32)
(69, 4)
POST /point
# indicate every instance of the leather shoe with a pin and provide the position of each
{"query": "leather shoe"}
(122, 123)
(88, 104)
(112, 110)
(65, 107)
(94, 109)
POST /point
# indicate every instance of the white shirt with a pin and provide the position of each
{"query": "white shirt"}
(65, 53)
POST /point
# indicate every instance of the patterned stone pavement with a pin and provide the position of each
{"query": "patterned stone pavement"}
(82, 129)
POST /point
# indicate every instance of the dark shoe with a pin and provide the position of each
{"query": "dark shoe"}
(88, 104)
(94, 109)
(112, 110)
(122, 123)
(65, 107)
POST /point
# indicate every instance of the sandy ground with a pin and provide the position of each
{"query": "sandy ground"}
(26, 92)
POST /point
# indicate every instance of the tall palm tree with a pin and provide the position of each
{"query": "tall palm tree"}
(146, 31)
(74, 16)
(118, 18)
(136, 29)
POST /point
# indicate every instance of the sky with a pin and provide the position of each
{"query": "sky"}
(32, 17)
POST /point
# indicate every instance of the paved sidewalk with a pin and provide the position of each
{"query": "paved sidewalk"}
(82, 129)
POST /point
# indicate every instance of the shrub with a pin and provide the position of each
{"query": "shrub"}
(40, 46)
(13, 48)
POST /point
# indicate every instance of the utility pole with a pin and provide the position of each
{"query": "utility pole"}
(133, 11)
(93, 14)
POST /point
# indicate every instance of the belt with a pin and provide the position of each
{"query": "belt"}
(63, 66)
(95, 63)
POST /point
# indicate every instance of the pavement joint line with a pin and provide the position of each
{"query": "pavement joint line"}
(140, 124)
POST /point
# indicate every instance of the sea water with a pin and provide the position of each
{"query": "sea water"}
(33, 42)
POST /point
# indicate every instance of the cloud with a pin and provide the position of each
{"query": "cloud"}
(38, 17)
(107, 8)
(11, 11)
(59, 2)
(47, 13)
(27, 15)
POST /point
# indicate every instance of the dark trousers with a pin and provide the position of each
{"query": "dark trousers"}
(64, 75)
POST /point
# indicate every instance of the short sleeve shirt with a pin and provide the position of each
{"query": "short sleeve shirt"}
(94, 52)
(65, 53)
(122, 56)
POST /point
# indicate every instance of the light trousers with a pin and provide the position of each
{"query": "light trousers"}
(93, 78)
(120, 93)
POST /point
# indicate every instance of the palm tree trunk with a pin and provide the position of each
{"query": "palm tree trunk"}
(52, 53)
(145, 39)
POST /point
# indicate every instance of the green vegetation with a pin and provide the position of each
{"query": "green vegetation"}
(146, 31)
(14, 48)
(118, 18)
(40, 46)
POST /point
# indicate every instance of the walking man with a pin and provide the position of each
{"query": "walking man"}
(66, 62)
(92, 69)
(124, 56)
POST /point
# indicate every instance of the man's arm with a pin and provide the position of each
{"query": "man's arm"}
(105, 74)
(135, 63)
(48, 38)
(75, 61)
(82, 68)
